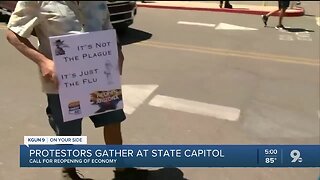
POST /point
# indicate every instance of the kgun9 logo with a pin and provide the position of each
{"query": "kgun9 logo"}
(295, 154)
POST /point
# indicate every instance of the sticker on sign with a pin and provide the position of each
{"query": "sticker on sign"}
(47, 140)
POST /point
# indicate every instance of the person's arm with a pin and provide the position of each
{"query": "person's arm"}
(120, 57)
(23, 21)
(23, 45)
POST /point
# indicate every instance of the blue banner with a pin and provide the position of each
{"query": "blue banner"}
(170, 156)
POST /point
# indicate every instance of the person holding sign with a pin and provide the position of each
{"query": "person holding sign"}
(45, 19)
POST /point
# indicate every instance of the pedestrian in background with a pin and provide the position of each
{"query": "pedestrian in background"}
(282, 7)
(226, 4)
(52, 18)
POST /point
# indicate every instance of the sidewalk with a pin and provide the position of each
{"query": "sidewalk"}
(257, 8)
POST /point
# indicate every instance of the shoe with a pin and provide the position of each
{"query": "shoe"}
(71, 174)
(131, 174)
(280, 27)
(229, 6)
(265, 20)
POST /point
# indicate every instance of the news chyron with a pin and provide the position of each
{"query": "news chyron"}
(74, 151)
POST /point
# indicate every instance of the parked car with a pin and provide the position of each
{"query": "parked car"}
(122, 13)
(6, 7)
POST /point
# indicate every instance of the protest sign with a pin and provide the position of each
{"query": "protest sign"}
(87, 69)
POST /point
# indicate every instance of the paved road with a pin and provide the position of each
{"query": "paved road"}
(271, 76)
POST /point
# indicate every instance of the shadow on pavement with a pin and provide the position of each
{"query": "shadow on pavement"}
(133, 36)
(166, 174)
(310, 15)
(291, 29)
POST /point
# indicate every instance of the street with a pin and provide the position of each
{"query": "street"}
(198, 78)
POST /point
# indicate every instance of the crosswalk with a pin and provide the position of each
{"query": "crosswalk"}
(220, 26)
(136, 95)
(195, 107)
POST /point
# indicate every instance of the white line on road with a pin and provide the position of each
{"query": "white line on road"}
(285, 37)
(304, 38)
(225, 26)
(135, 95)
(196, 24)
(217, 111)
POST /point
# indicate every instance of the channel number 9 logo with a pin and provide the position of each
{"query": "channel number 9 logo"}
(295, 155)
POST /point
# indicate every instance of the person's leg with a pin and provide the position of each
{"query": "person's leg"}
(266, 17)
(227, 5)
(280, 4)
(272, 12)
(111, 123)
(112, 134)
(55, 117)
(72, 128)
(283, 7)
(281, 15)
(221, 4)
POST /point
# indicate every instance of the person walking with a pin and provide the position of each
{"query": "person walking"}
(52, 18)
(226, 4)
(282, 7)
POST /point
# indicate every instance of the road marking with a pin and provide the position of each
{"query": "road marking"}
(285, 37)
(194, 107)
(221, 26)
(304, 38)
(227, 52)
(135, 95)
(196, 24)
(225, 26)
(318, 21)
(301, 36)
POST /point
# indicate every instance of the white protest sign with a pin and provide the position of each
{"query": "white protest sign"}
(88, 73)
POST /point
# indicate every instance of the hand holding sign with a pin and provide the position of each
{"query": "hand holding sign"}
(48, 71)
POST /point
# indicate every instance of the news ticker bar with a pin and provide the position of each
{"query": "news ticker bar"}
(170, 156)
